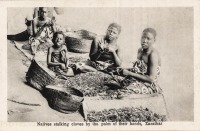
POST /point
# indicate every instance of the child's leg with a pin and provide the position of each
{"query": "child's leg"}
(85, 68)
(64, 74)
(69, 72)
(34, 46)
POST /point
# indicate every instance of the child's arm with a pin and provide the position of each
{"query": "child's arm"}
(116, 55)
(53, 22)
(34, 27)
(94, 53)
(35, 14)
(66, 59)
(153, 60)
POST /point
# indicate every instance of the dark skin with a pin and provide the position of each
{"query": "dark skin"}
(42, 21)
(49, 12)
(109, 42)
(58, 45)
(150, 56)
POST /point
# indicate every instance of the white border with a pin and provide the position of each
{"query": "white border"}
(100, 3)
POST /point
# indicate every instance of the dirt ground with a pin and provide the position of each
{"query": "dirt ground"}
(19, 91)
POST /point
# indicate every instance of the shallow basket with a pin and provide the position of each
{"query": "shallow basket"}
(65, 100)
(154, 103)
(79, 42)
(39, 76)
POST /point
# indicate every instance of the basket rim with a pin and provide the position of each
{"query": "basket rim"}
(61, 89)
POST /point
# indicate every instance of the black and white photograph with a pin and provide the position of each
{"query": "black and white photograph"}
(100, 64)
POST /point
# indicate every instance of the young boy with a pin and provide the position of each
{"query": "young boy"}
(43, 29)
(23, 36)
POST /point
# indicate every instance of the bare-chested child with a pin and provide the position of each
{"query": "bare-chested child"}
(41, 20)
(49, 13)
(43, 28)
(57, 59)
(147, 68)
(105, 48)
(149, 55)
(105, 51)
(34, 20)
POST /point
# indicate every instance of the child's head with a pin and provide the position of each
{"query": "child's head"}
(43, 12)
(58, 39)
(113, 31)
(148, 37)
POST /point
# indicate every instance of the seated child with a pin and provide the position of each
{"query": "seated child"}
(25, 35)
(142, 78)
(57, 59)
(105, 51)
(43, 29)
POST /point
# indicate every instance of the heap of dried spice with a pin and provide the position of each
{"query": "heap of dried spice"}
(90, 84)
(126, 114)
(93, 84)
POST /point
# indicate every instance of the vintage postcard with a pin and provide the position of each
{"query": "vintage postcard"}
(100, 65)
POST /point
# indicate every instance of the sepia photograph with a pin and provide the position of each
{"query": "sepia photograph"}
(100, 64)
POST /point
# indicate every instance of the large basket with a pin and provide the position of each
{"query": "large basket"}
(86, 34)
(39, 76)
(65, 100)
(78, 42)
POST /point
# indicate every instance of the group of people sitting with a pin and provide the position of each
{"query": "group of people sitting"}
(105, 55)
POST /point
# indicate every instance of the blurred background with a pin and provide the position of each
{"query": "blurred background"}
(174, 28)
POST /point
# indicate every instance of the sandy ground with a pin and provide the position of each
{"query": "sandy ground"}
(21, 92)
(174, 42)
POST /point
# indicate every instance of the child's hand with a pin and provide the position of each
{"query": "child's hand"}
(62, 66)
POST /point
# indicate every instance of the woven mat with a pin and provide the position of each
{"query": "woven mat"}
(42, 56)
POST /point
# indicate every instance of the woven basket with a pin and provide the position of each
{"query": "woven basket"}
(39, 76)
(78, 42)
(65, 100)
(86, 34)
